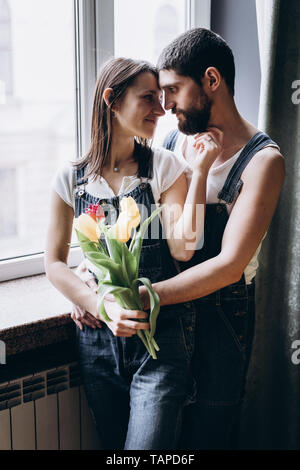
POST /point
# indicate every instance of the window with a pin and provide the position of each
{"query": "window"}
(6, 83)
(8, 214)
(50, 51)
(37, 116)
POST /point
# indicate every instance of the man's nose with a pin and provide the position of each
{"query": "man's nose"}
(169, 104)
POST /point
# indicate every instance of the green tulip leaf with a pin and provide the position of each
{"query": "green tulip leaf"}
(146, 222)
(103, 261)
(138, 242)
(129, 264)
(85, 243)
(113, 244)
(103, 290)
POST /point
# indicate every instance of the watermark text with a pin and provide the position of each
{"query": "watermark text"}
(2, 352)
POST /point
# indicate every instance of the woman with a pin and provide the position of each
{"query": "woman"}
(136, 401)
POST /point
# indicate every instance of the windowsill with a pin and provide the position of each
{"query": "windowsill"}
(33, 314)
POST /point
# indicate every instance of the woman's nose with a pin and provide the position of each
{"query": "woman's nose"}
(159, 110)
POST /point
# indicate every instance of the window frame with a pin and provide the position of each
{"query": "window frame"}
(94, 43)
(199, 14)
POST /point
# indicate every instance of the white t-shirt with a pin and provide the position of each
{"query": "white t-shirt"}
(215, 182)
(167, 167)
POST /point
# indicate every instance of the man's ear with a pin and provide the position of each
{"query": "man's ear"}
(108, 96)
(212, 79)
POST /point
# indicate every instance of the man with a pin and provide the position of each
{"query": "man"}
(196, 73)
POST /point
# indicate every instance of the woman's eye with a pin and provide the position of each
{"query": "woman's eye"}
(148, 97)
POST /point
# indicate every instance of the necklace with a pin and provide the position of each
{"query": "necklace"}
(116, 168)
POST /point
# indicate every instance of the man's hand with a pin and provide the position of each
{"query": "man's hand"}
(123, 322)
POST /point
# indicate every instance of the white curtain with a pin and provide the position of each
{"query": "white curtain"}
(267, 21)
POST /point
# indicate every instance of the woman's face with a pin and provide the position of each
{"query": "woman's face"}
(136, 114)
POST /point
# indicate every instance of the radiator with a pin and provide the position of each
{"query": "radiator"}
(46, 411)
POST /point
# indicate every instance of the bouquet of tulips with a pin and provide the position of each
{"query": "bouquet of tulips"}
(118, 264)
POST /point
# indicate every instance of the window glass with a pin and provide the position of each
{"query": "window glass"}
(142, 30)
(37, 116)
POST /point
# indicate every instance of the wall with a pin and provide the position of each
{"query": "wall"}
(235, 21)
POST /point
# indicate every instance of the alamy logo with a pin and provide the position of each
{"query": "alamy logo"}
(2, 352)
(296, 354)
(173, 213)
(296, 95)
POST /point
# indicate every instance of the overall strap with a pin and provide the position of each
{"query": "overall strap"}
(233, 183)
(80, 180)
(170, 140)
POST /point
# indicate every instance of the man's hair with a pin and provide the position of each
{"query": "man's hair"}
(194, 51)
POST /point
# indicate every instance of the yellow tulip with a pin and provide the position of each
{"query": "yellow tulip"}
(129, 206)
(88, 227)
(128, 219)
(123, 227)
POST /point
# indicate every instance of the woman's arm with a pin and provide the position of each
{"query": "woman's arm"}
(70, 285)
(184, 211)
(56, 255)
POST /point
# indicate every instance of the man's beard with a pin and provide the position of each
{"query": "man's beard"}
(196, 120)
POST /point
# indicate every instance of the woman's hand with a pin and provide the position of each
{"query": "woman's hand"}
(79, 316)
(209, 145)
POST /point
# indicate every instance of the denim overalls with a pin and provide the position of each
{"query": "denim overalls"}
(136, 401)
(224, 327)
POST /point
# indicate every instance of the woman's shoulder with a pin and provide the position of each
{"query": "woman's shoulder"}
(66, 170)
(167, 167)
(64, 181)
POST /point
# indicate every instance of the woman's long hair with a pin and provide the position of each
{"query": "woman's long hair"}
(117, 74)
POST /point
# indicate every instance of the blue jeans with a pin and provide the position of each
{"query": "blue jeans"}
(224, 336)
(137, 402)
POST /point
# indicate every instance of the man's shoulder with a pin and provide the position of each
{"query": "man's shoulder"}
(268, 160)
(267, 155)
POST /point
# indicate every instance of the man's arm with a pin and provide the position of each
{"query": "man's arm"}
(249, 220)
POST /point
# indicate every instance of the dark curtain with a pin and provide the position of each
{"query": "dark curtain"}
(271, 412)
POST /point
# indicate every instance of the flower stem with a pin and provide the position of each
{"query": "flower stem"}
(134, 302)
(133, 239)
(141, 336)
(155, 345)
(152, 353)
